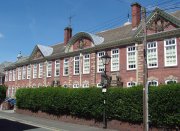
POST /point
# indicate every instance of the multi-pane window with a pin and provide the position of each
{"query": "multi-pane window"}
(24, 72)
(10, 75)
(131, 57)
(75, 85)
(114, 59)
(57, 68)
(49, 69)
(153, 83)
(76, 65)
(14, 74)
(171, 81)
(28, 71)
(152, 57)
(35, 71)
(170, 50)
(86, 64)
(19, 73)
(131, 84)
(100, 65)
(6, 76)
(66, 67)
(40, 70)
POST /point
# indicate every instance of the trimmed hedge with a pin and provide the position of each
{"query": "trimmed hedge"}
(124, 104)
(2, 93)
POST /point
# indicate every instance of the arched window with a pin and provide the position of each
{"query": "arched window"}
(153, 83)
(171, 81)
(131, 84)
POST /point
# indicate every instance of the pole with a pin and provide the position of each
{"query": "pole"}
(145, 74)
(104, 103)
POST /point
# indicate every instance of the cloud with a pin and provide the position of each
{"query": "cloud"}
(1, 35)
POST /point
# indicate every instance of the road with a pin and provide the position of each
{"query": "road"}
(11, 121)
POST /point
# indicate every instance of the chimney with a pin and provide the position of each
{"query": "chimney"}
(136, 14)
(67, 35)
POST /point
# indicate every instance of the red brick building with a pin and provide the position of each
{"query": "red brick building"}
(76, 62)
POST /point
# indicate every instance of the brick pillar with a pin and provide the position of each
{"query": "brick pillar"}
(71, 63)
(45, 74)
(140, 63)
(93, 69)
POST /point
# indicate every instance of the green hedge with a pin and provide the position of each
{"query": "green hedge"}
(2, 93)
(122, 104)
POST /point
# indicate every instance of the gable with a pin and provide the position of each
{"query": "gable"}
(83, 40)
(158, 21)
(81, 43)
(159, 25)
(41, 51)
(37, 55)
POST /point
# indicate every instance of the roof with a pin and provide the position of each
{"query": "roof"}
(100, 39)
(117, 33)
(45, 50)
(3, 65)
(176, 14)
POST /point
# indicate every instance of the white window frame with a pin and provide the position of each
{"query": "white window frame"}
(66, 66)
(57, 68)
(166, 82)
(151, 46)
(6, 76)
(23, 72)
(128, 61)
(19, 73)
(40, 74)
(86, 63)
(99, 85)
(49, 68)
(165, 52)
(76, 85)
(35, 71)
(100, 65)
(28, 71)
(14, 74)
(10, 75)
(130, 83)
(115, 60)
(152, 81)
(76, 65)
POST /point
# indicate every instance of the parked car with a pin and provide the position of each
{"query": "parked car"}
(13, 102)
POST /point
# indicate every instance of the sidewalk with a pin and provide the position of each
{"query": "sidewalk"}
(47, 124)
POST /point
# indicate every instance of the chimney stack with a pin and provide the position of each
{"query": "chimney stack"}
(136, 14)
(67, 35)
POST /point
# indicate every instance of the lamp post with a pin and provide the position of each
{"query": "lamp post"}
(104, 80)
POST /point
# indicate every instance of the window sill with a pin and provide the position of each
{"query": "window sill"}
(171, 66)
(65, 75)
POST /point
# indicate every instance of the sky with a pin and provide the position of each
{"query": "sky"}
(26, 23)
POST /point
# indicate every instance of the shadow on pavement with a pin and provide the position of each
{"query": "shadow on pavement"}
(7, 125)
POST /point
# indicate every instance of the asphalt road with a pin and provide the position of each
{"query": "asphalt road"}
(8, 125)
(11, 121)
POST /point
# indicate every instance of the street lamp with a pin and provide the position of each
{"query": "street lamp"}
(104, 80)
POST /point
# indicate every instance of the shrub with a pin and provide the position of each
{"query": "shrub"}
(2, 93)
(124, 104)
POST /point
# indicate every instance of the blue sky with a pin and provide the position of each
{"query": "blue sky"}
(25, 23)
